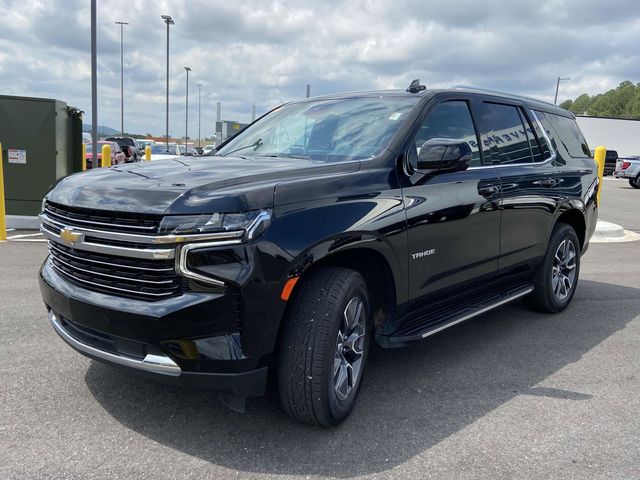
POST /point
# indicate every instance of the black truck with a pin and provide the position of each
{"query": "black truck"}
(327, 224)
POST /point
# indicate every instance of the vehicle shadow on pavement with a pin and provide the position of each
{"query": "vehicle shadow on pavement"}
(411, 398)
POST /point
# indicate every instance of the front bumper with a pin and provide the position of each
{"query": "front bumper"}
(186, 341)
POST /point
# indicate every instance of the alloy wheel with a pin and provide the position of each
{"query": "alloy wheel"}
(347, 363)
(564, 269)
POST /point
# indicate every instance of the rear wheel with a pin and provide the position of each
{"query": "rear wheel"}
(557, 276)
(324, 346)
(635, 182)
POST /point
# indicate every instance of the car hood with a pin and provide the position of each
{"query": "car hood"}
(188, 185)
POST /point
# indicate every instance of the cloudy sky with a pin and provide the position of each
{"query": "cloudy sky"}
(265, 52)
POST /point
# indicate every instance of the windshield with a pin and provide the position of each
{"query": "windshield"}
(324, 130)
(162, 149)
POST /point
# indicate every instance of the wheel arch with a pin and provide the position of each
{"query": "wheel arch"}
(575, 218)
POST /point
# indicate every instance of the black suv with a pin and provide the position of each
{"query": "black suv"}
(326, 224)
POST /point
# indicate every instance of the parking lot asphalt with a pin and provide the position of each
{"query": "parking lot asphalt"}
(509, 394)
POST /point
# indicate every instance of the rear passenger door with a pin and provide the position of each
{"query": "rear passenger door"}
(529, 182)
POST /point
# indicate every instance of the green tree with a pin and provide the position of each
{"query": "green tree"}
(567, 104)
(581, 104)
(621, 102)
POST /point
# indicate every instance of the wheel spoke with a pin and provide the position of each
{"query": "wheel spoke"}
(342, 381)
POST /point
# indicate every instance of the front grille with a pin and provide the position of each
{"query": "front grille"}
(123, 276)
(103, 220)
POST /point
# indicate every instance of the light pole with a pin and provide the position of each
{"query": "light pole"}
(186, 121)
(199, 85)
(122, 24)
(94, 79)
(555, 99)
(169, 21)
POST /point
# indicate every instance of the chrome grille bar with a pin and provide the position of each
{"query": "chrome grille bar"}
(109, 287)
(52, 246)
(115, 277)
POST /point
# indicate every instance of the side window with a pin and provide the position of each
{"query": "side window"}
(569, 135)
(539, 148)
(504, 134)
(450, 119)
(545, 137)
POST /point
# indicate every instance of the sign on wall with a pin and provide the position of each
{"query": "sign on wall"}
(17, 156)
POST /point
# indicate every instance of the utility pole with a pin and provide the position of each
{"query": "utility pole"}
(169, 21)
(122, 24)
(199, 85)
(94, 82)
(308, 90)
(253, 113)
(186, 122)
(555, 99)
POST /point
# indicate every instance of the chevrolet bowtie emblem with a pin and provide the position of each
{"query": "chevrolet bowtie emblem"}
(69, 236)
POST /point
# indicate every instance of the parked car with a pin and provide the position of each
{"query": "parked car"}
(326, 225)
(209, 150)
(117, 155)
(629, 168)
(130, 146)
(160, 151)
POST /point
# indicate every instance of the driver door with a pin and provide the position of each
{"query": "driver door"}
(453, 217)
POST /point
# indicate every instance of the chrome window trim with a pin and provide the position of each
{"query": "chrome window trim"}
(149, 239)
(160, 364)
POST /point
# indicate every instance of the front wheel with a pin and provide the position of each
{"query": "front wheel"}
(324, 346)
(557, 276)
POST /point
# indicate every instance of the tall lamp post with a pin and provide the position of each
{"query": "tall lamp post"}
(186, 121)
(94, 77)
(122, 24)
(555, 99)
(169, 21)
(199, 85)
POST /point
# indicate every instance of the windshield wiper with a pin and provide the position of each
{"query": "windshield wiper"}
(255, 145)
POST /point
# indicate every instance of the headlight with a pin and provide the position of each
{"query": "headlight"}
(253, 223)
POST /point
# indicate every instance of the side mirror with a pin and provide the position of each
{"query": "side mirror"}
(444, 154)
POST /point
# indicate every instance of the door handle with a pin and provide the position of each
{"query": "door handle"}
(488, 191)
(547, 182)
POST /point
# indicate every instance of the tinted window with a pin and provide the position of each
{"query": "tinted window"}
(544, 138)
(450, 120)
(568, 133)
(504, 134)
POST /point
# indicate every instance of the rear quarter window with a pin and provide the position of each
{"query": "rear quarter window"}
(568, 134)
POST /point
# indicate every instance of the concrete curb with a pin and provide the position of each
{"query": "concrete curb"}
(23, 222)
(607, 232)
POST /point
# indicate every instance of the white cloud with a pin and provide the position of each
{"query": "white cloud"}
(264, 53)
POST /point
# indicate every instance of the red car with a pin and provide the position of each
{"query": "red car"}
(117, 155)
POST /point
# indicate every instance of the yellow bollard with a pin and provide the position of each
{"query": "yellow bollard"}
(84, 157)
(599, 156)
(106, 155)
(3, 218)
(147, 153)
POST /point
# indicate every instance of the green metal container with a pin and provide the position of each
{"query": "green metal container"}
(41, 141)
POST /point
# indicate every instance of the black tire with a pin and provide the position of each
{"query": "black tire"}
(309, 365)
(635, 182)
(550, 293)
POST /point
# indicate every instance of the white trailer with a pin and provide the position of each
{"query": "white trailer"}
(616, 134)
